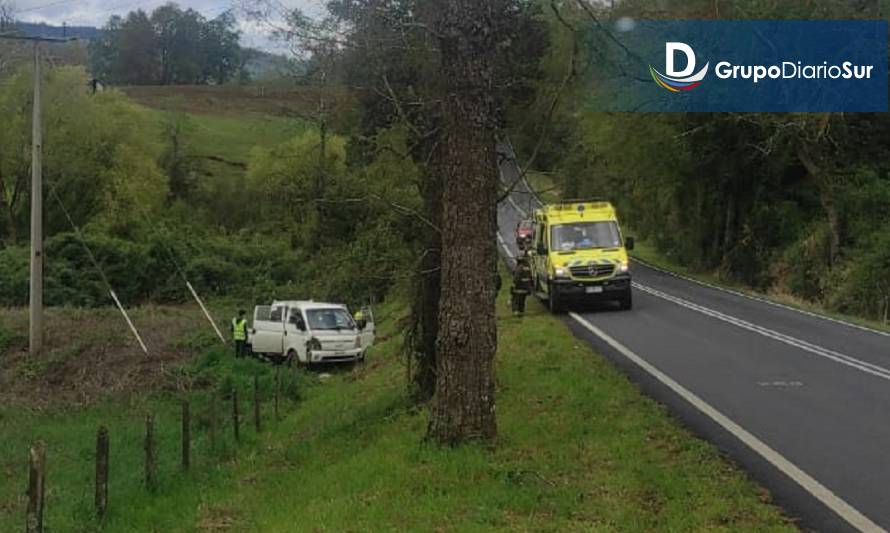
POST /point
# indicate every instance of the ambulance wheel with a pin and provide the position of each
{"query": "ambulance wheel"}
(553, 300)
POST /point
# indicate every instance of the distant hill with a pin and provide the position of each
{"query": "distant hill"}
(265, 66)
(32, 29)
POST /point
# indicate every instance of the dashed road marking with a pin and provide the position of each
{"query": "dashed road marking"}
(863, 366)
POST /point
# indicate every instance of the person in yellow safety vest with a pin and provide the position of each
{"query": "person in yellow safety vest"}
(239, 334)
(359, 315)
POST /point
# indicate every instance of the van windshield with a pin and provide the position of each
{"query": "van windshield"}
(585, 236)
(329, 320)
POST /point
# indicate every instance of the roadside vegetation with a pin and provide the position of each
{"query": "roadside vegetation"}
(243, 205)
(580, 449)
(649, 254)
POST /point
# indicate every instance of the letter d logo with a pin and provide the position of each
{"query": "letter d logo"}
(676, 81)
(670, 52)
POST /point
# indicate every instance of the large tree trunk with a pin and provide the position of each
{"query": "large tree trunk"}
(463, 406)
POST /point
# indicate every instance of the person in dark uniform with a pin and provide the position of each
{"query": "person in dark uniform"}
(522, 285)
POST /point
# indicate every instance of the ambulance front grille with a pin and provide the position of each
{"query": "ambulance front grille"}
(592, 271)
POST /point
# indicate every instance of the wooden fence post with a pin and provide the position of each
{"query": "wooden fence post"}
(235, 415)
(150, 453)
(213, 421)
(277, 390)
(102, 472)
(256, 403)
(36, 480)
(186, 435)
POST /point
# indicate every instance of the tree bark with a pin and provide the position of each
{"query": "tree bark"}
(464, 404)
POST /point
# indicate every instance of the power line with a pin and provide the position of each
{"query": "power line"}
(45, 6)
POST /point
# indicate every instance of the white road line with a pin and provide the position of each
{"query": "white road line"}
(864, 366)
(764, 300)
(521, 211)
(504, 246)
(807, 482)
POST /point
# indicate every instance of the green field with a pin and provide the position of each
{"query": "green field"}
(222, 142)
(580, 449)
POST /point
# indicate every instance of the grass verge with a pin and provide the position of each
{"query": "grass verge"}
(579, 449)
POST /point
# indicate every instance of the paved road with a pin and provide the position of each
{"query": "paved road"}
(802, 402)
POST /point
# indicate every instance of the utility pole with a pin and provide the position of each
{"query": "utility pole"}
(36, 303)
(36, 289)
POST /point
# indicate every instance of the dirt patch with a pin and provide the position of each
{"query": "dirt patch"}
(217, 518)
(91, 355)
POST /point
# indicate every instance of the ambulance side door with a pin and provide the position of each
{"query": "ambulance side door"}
(540, 255)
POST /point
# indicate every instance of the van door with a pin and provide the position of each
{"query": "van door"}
(268, 330)
(296, 334)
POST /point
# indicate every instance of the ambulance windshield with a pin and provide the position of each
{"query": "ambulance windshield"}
(585, 236)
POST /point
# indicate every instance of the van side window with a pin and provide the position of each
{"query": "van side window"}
(262, 313)
(295, 317)
(277, 314)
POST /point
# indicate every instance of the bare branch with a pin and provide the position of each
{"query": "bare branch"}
(571, 72)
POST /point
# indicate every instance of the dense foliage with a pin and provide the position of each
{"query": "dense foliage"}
(99, 158)
(171, 46)
(156, 202)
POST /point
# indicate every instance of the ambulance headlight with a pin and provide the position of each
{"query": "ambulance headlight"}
(561, 273)
(624, 268)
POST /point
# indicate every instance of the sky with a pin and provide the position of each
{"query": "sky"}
(97, 12)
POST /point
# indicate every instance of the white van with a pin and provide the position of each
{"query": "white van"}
(309, 332)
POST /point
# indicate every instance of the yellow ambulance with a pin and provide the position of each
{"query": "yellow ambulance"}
(579, 255)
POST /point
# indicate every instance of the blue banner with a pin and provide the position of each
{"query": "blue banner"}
(739, 66)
